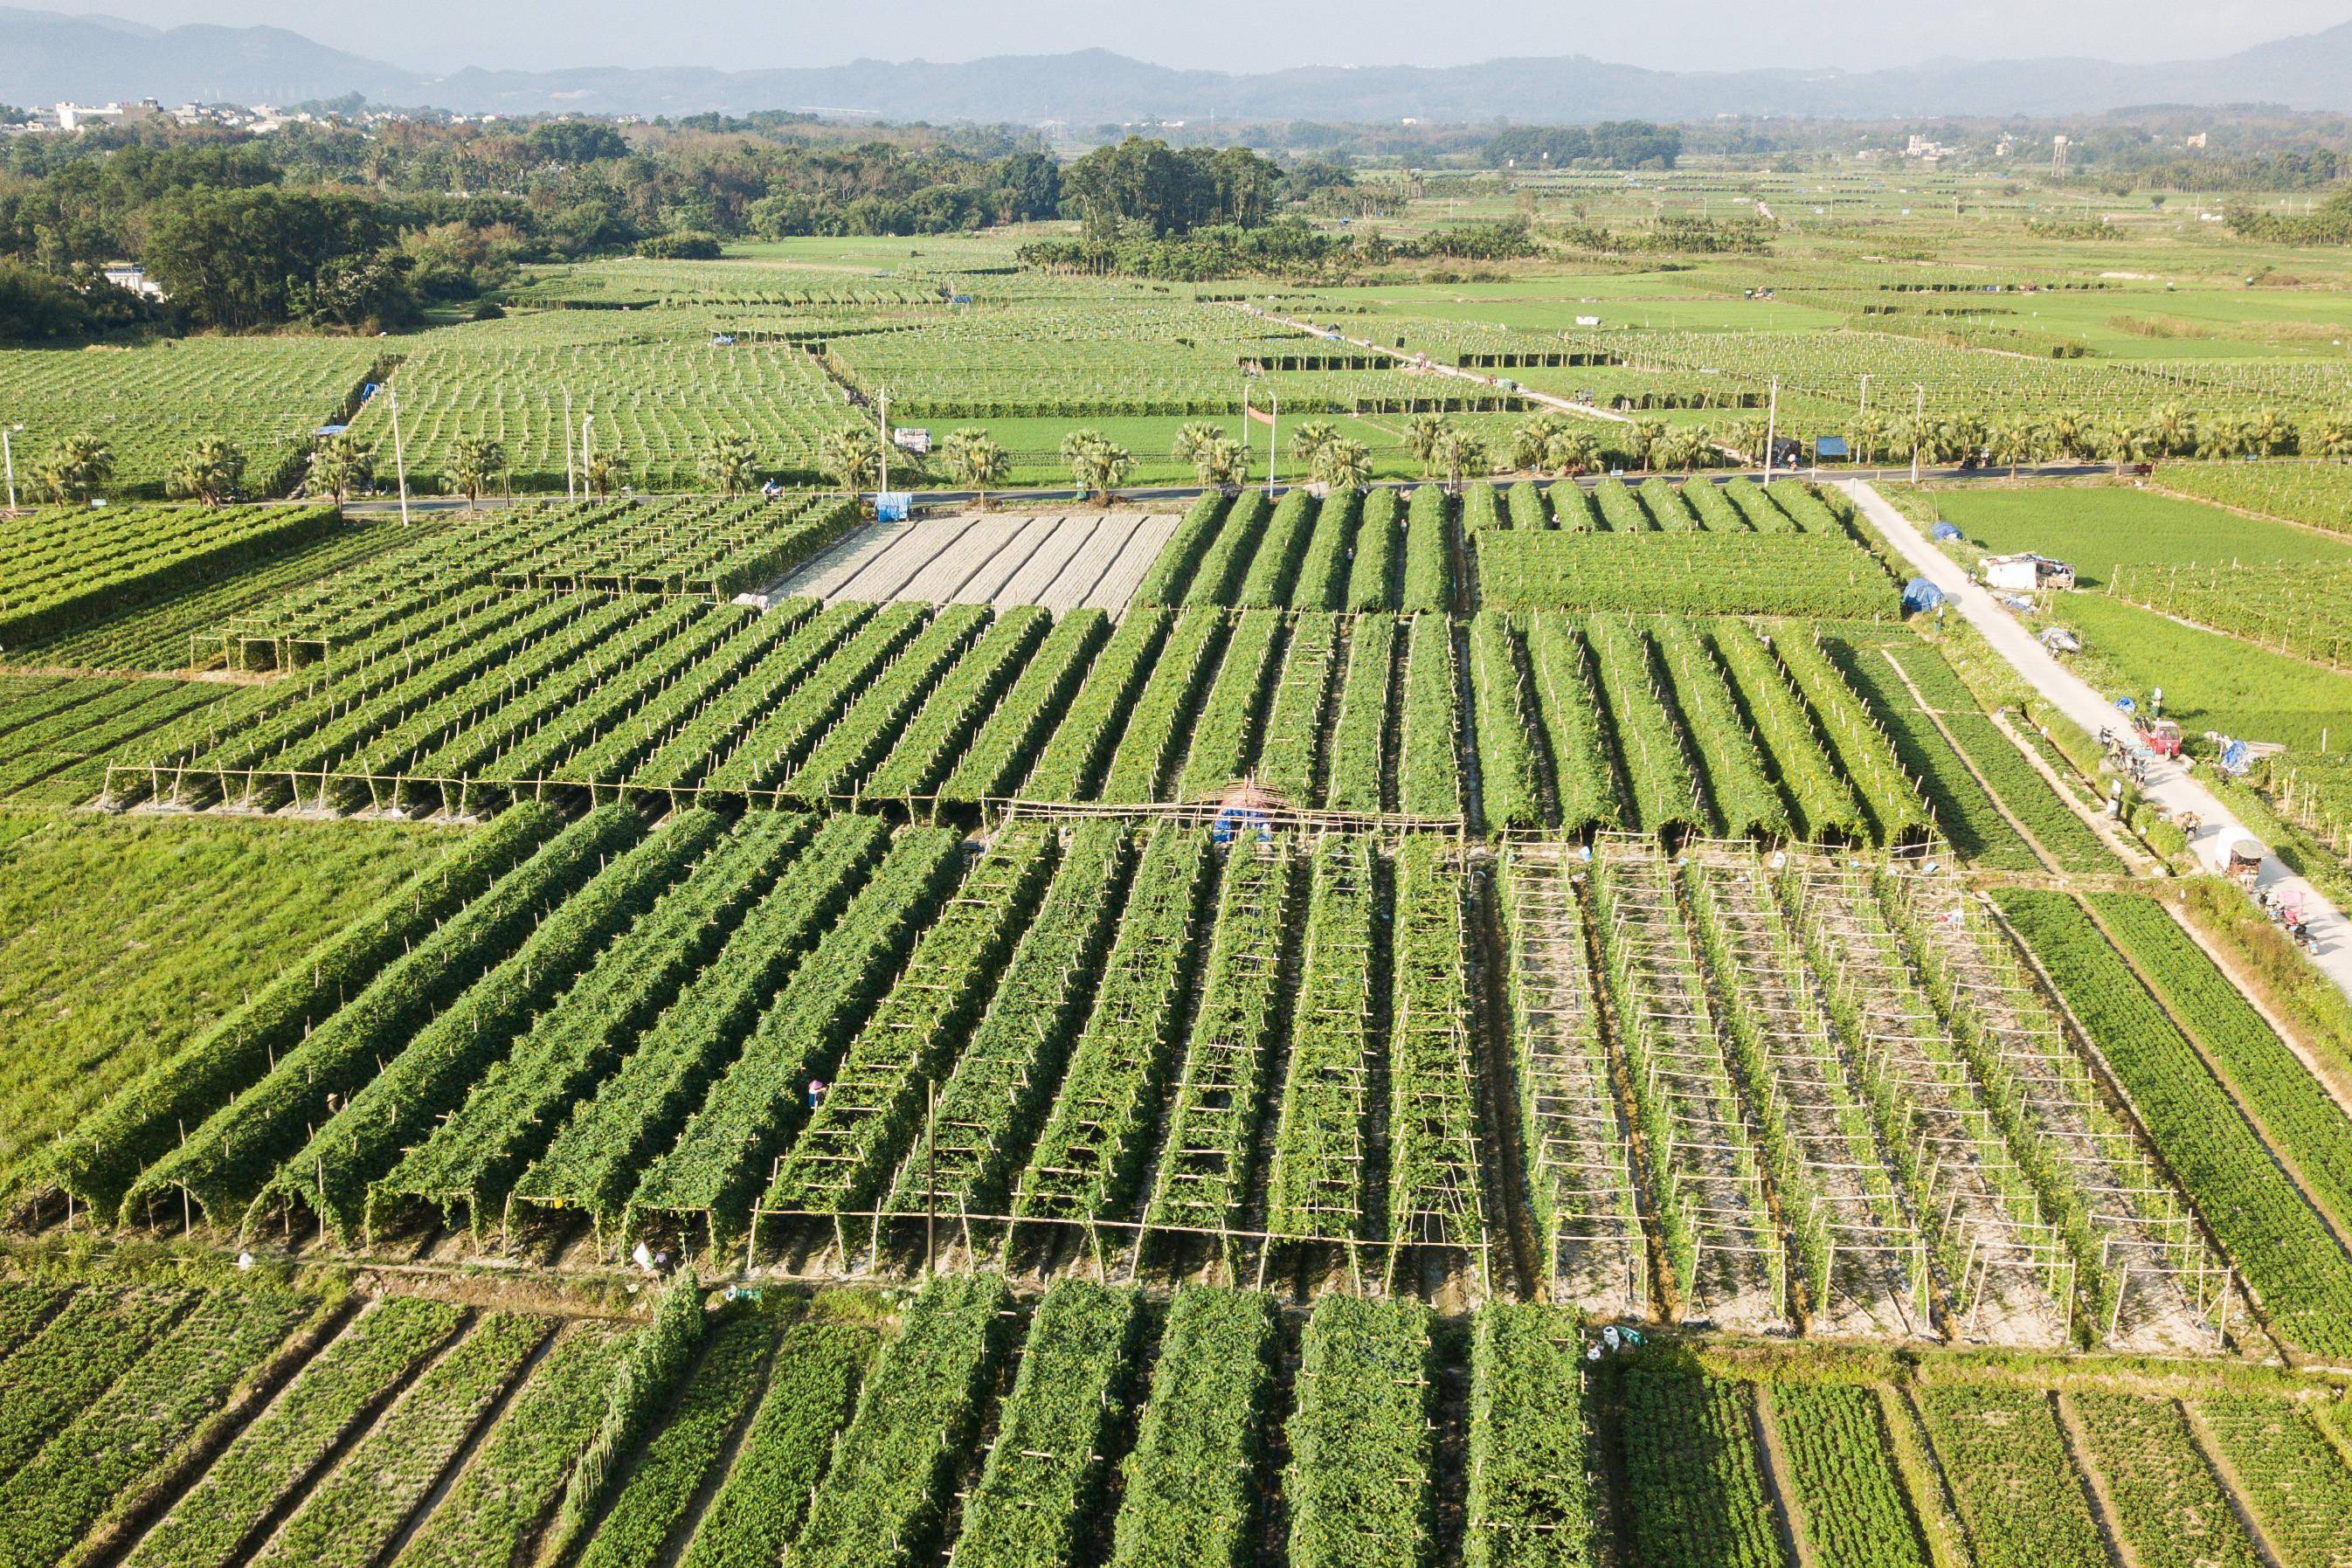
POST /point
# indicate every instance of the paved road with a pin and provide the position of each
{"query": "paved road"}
(2168, 784)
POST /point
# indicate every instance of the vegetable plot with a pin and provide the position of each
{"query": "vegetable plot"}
(1358, 1487)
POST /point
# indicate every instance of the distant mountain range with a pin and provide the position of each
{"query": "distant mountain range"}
(45, 57)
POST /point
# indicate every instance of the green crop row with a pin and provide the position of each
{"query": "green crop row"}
(1006, 744)
(872, 721)
(110, 1445)
(1820, 799)
(1436, 1184)
(1072, 759)
(1842, 1469)
(360, 1143)
(1190, 1494)
(643, 1519)
(2296, 1266)
(2170, 1509)
(1360, 749)
(1323, 574)
(1226, 734)
(1506, 770)
(216, 1523)
(920, 755)
(1287, 756)
(1090, 1156)
(596, 1156)
(989, 1106)
(1428, 553)
(1041, 1487)
(2016, 1487)
(644, 1380)
(1274, 569)
(1683, 572)
(1664, 789)
(1358, 1487)
(507, 1492)
(1161, 718)
(1429, 770)
(1235, 1034)
(872, 1111)
(1693, 1476)
(754, 1106)
(1317, 1184)
(1178, 560)
(812, 1390)
(1531, 1497)
(227, 1158)
(882, 1502)
(780, 737)
(1745, 804)
(1860, 745)
(1373, 575)
(353, 1514)
(1219, 576)
(515, 1104)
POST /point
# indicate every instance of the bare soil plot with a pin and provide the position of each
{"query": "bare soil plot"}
(1089, 559)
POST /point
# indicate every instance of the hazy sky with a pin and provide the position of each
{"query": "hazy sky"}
(1249, 35)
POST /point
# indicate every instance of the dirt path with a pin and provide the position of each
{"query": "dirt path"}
(2094, 1487)
(2049, 861)
(2172, 789)
(1779, 1481)
(2232, 1486)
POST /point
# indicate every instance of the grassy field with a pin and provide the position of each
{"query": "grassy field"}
(2097, 526)
(2209, 680)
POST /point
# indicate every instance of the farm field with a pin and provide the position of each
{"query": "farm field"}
(1089, 1423)
(1484, 1005)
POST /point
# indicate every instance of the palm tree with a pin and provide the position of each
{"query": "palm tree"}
(1647, 434)
(1423, 432)
(849, 457)
(2070, 432)
(339, 466)
(2121, 441)
(1342, 465)
(1098, 465)
(1531, 441)
(2332, 435)
(2272, 434)
(603, 474)
(74, 469)
(2013, 442)
(728, 462)
(1223, 465)
(1574, 447)
(1745, 436)
(1192, 440)
(210, 473)
(474, 461)
(1460, 453)
(976, 458)
(1310, 437)
(1870, 433)
(2171, 430)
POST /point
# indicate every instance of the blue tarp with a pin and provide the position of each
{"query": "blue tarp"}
(1944, 531)
(893, 506)
(1237, 820)
(2125, 705)
(1920, 595)
(2235, 757)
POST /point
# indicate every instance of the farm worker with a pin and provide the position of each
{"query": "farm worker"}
(2114, 797)
(2155, 701)
(644, 1257)
(816, 1093)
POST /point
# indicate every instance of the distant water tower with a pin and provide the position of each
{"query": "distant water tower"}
(2059, 148)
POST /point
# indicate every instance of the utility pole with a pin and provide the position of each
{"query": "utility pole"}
(1918, 428)
(1272, 437)
(10, 452)
(1771, 429)
(1860, 413)
(883, 414)
(571, 488)
(399, 453)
